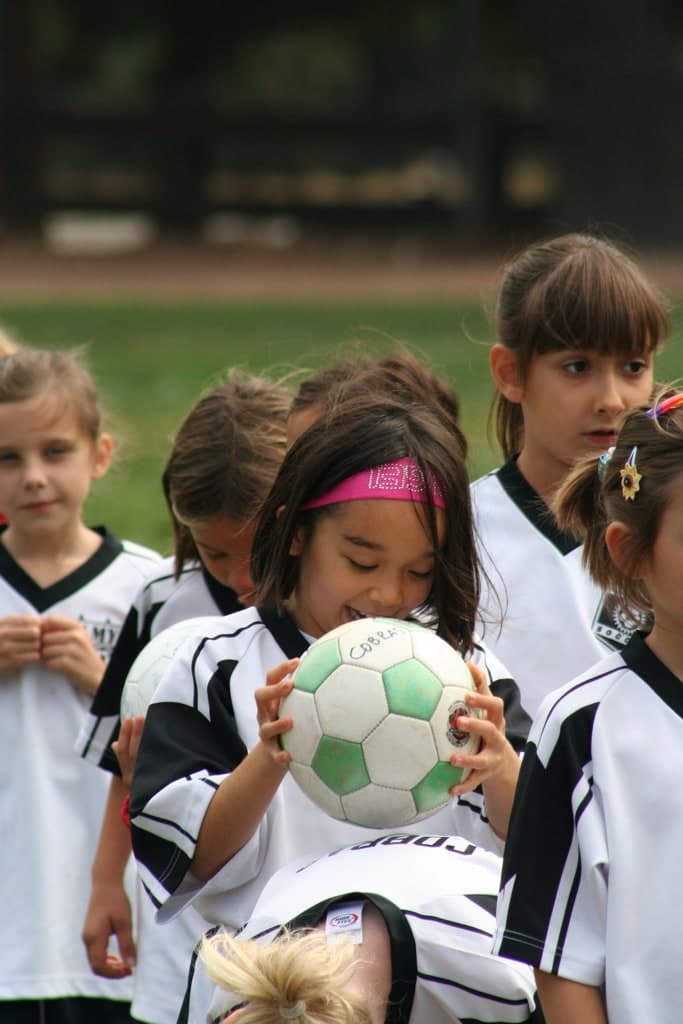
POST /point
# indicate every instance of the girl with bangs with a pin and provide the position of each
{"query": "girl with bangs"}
(369, 515)
(578, 327)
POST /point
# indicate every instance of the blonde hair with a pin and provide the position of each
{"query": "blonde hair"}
(29, 372)
(8, 345)
(298, 976)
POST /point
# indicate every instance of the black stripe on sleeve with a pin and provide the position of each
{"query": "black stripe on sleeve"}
(541, 833)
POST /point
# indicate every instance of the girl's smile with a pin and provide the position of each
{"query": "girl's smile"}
(370, 557)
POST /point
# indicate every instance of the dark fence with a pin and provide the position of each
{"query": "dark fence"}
(180, 165)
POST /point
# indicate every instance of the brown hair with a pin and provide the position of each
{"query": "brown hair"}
(361, 433)
(576, 292)
(29, 372)
(399, 376)
(592, 497)
(225, 456)
(298, 970)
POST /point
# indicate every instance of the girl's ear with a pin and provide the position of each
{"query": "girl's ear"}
(102, 456)
(618, 541)
(297, 545)
(504, 367)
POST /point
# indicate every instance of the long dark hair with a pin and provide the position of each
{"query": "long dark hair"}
(356, 435)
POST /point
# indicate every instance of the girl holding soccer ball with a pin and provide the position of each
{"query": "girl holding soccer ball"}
(596, 906)
(214, 811)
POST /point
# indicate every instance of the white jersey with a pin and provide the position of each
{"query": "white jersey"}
(200, 725)
(51, 803)
(437, 895)
(161, 602)
(162, 955)
(555, 620)
(593, 860)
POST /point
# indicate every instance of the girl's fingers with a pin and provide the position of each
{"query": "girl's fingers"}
(277, 674)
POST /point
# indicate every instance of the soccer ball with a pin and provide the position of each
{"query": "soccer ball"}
(155, 657)
(373, 708)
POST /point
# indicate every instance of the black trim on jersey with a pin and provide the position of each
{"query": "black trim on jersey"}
(532, 506)
(517, 720)
(543, 795)
(284, 631)
(484, 900)
(642, 660)
(43, 598)
(225, 597)
(402, 943)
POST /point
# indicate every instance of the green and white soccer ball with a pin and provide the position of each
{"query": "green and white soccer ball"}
(373, 708)
(151, 663)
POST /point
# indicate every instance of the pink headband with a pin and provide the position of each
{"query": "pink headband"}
(402, 480)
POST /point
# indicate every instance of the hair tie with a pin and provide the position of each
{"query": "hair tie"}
(668, 405)
(630, 477)
(603, 461)
(298, 1009)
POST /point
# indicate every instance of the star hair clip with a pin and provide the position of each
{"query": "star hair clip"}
(630, 477)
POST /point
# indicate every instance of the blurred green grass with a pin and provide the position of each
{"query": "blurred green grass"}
(152, 360)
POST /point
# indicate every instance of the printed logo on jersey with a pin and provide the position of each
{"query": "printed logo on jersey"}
(456, 736)
(344, 920)
(615, 625)
(103, 635)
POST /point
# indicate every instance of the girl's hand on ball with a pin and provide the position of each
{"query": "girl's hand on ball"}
(491, 731)
(268, 699)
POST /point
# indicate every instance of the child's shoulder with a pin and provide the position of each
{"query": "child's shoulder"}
(144, 554)
(581, 698)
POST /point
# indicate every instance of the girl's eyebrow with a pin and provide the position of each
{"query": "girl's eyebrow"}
(362, 542)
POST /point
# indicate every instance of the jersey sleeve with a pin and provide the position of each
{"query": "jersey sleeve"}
(553, 898)
(101, 725)
(189, 745)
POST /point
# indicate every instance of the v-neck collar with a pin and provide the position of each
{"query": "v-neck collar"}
(42, 598)
(532, 506)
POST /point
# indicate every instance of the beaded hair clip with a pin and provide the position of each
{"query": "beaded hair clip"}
(668, 405)
(630, 477)
(603, 461)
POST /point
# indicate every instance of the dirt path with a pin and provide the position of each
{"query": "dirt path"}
(348, 269)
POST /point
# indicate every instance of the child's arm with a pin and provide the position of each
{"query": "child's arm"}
(243, 798)
(67, 648)
(108, 910)
(565, 1002)
(496, 767)
(19, 641)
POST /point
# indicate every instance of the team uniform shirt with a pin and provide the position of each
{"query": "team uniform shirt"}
(556, 622)
(437, 895)
(163, 601)
(200, 725)
(590, 886)
(51, 802)
(162, 955)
